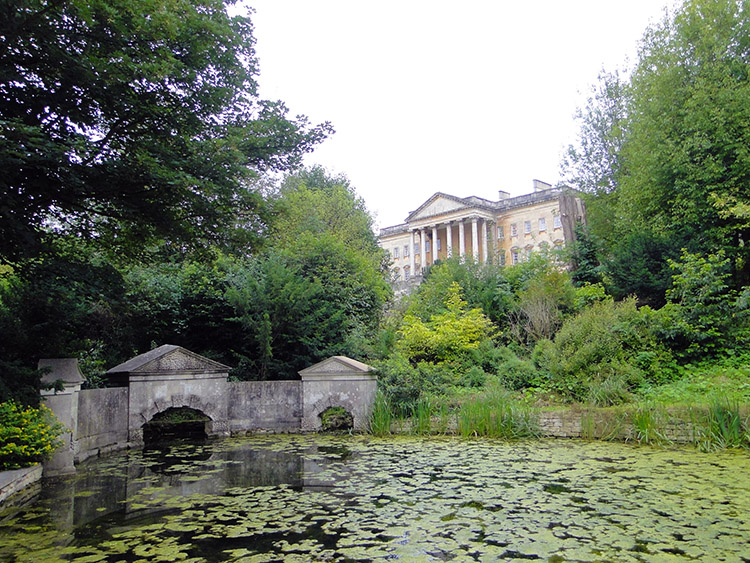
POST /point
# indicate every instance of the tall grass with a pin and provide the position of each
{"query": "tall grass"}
(495, 414)
(380, 419)
(722, 426)
(422, 416)
(649, 424)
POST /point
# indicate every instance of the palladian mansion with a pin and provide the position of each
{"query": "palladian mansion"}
(505, 231)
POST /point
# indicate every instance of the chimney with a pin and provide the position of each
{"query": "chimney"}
(541, 186)
(503, 195)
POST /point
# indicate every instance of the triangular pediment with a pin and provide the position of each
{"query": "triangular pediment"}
(438, 204)
(336, 365)
(169, 359)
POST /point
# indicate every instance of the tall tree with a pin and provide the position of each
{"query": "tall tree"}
(313, 201)
(594, 163)
(130, 119)
(688, 163)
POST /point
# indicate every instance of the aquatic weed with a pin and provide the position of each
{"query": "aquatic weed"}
(649, 424)
(380, 419)
(495, 414)
(722, 427)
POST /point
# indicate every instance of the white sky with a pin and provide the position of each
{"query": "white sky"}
(461, 97)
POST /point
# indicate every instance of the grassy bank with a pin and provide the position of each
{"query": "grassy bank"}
(708, 407)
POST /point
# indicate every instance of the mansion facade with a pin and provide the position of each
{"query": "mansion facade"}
(506, 231)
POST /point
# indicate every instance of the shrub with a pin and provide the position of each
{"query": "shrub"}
(607, 341)
(27, 435)
(704, 316)
(335, 419)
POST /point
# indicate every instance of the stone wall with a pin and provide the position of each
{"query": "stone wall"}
(102, 421)
(264, 406)
(169, 377)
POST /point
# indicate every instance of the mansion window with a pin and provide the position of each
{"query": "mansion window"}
(500, 232)
(406, 273)
(527, 227)
(557, 222)
(501, 256)
(438, 244)
(427, 246)
(395, 252)
(542, 224)
(406, 250)
(416, 248)
(514, 256)
(513, 230)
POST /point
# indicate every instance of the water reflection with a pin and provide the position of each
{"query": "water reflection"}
(280, 498)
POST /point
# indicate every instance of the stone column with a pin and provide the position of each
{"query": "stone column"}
(449, 240)
(422, 247)
(484, 241)
(461, 239)
(434, 247)
(64, 405)
(411, 253)
(474, 239)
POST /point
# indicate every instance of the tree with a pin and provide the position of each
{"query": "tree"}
(299, 306)
(594, 164)
(126, 120)
(312, 201)
(686, 152)
(584, 257)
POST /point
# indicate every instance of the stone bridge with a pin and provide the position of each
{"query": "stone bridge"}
(170, 376)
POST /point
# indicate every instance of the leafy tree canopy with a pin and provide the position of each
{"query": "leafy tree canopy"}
(664, 153)
(125, 120)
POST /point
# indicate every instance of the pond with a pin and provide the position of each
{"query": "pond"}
(358, 498)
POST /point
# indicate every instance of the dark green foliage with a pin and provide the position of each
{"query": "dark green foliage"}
(131, 120)
(298, 308)
(584, 253)
(704, 316)
(55, 308)
(639, 266)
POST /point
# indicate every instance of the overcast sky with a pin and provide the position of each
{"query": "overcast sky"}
(463, 97)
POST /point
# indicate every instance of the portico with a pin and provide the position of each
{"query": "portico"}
(481, 230)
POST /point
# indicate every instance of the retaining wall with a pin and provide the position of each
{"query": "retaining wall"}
(102, 421)
(261, 406)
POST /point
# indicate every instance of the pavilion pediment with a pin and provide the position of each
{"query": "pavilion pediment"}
(168, 359)
(439, 204)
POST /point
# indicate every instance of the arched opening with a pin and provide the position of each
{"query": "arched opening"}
(175, 423)
(336, 419)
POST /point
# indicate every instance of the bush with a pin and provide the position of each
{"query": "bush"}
(607, 341)
(27, 435)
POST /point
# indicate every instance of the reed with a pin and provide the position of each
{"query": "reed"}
(495, 415)
(649, 424)
(381, 418)
(422, 416)
(722, 427)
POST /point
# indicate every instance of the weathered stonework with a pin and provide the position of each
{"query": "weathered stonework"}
(102, 420)
(337, 382)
